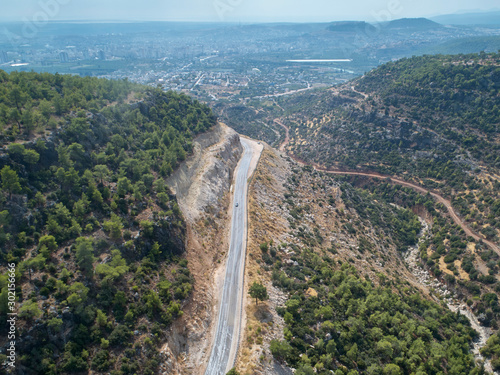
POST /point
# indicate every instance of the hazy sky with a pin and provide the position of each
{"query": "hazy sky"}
(234, 10)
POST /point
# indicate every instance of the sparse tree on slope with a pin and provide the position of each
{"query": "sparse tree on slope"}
(258, 291)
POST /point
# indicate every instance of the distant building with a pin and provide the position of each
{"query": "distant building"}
(4, 58)
(101, 55)
(64, 57)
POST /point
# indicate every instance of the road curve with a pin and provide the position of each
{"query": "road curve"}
(418, 188)
(287, 135)
(226, 338)
(393, 180)
(422, 190)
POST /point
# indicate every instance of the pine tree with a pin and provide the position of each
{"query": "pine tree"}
(258, 291)
(10, 181)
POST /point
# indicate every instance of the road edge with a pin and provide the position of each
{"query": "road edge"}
(250, 178)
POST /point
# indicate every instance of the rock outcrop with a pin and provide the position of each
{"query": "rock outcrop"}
(202, 185)
(202, 180)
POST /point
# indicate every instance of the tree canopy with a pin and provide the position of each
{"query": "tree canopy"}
(84, 162)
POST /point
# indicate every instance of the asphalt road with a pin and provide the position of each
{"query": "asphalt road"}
(225, 344)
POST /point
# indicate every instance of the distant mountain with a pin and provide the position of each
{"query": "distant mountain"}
(464, 45)
(479, 18)
(412, 23)
(351, 27)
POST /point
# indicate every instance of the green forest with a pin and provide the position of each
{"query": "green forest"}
(349, 309)
(96, 235)
(448, 242)
(354, 327)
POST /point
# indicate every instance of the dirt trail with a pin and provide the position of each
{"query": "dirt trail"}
(397, 181)
(287, 136)
(359, 92)
(420, 189)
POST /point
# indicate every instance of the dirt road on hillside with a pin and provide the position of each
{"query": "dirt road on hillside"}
(397, 181)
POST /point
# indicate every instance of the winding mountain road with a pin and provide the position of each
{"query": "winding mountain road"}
(226, 338)
(422, 190)
(394, 180)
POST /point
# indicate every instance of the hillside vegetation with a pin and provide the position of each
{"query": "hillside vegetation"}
(341, 299)
(353, 327)
(432, 120)
(85, 214)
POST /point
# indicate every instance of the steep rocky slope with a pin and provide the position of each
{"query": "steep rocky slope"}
(295, 211)
(202, 186)
(201, 181)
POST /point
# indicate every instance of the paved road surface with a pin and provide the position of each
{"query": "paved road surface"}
(225, 344)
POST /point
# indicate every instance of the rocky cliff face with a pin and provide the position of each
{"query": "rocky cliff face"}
(202, 180)
(202, 185)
